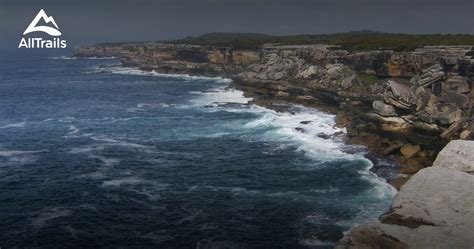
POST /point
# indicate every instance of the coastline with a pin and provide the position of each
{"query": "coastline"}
(389, 170)
(407, 115)
(402, 105)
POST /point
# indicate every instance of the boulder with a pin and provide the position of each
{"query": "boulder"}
(461, 100)
(458, 154)
(310, 72)
(383, 109)
(432, 210)
(399, 95)
(448, 114)
(408, 150)
(465, 134)
(457, 83)
(390, 124)
(300, 129)
(452, 130)
(422, 97)
(431, 75)
(445, 114)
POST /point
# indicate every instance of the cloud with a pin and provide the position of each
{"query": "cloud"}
(88, 21)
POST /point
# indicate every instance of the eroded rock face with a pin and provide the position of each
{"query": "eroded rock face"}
(434, 209)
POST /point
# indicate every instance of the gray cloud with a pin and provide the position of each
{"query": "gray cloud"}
(89, 21)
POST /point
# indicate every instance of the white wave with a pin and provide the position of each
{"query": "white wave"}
(50, 214)
(19, 157)
(212, 135)
(66, 119)
(73, 130)
(74, 232)
(64, 57)
(115, 142)
(134, 71)
(142, 105)
(138, 185)
(331, 189)
(15, 125)
(124, 181)
(98, 58)
(91, 152)
(309, 130)
(108, 162)
(219, 97)
(9, 153)
(381, 188)
(94, 175)
(82, 150)
(315, 242)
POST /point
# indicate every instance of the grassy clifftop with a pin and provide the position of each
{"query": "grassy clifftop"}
(352, 41)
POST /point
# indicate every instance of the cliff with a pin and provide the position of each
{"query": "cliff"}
(408, 104)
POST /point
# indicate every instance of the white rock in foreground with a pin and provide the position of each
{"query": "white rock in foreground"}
(458, 154)
(434, 209)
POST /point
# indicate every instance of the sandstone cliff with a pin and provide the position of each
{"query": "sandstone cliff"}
(414, 101)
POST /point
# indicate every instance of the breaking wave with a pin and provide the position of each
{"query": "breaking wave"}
(133, 71)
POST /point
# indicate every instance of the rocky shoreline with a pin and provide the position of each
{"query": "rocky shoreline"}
(402, 105)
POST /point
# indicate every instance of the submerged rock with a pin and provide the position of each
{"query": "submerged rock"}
(408, 150)
(300, 129)
(323, 135)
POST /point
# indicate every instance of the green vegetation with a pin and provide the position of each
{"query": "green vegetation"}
(366, 78)
(352, 41)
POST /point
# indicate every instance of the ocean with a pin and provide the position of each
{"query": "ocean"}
(95, 155)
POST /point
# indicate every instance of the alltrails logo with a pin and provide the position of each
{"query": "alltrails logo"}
(38, 42)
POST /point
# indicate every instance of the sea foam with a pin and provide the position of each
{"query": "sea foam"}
(311, 131)
(134, 71)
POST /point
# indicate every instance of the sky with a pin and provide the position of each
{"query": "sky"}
(92, 21)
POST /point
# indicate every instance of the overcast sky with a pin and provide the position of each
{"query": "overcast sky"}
(90, 21)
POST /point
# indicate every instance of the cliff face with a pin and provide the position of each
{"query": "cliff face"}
(421, 98)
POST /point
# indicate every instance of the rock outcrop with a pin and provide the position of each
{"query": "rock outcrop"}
(434, 209)
(423, 97)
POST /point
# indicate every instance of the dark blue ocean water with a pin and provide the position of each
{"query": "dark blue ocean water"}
(93, 155)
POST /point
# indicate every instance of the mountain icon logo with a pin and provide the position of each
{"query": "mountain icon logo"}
(47, 29)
